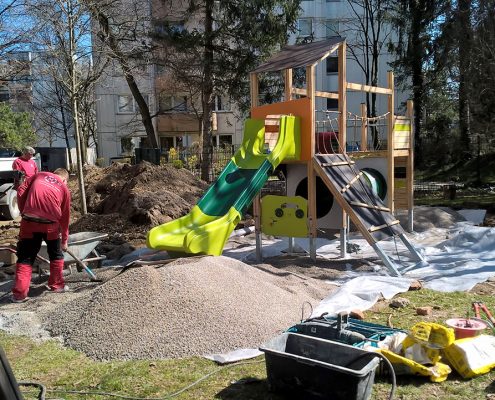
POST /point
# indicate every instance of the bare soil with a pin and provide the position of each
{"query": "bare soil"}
(125, 201)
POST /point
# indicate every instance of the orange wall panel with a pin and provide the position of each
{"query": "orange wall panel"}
(300, 108)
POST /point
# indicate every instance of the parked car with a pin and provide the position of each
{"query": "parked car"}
(8, 195)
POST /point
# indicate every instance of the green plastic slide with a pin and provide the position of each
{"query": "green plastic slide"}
(208, 226)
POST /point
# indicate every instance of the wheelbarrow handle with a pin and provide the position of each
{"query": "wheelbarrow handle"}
(86, 268)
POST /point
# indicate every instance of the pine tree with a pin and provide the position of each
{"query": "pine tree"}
(217, 45)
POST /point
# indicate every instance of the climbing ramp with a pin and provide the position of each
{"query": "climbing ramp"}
(366, 210)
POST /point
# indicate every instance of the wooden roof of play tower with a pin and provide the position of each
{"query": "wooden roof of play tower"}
(300, 55)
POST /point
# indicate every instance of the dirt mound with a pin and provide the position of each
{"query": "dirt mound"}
(133, 196)
(210, 305)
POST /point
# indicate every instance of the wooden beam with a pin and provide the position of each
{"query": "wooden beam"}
(304, 92)
(310, 87)
(299, 91)
(364, 128)
(288, 84)
(332, 50)
(410, 160)
(336, 164)
(253, 81)
(390, 142)
(312, 218)
(342, 73)
(367, 88)
(328, 95)
(358, 204)
(342, 76)
(380, 227)
(353, 180)
(254, 90)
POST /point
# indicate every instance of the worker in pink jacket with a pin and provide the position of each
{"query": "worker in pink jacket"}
(44, 201)
(25, 164)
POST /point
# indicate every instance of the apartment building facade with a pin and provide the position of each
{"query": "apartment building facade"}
(177, 117)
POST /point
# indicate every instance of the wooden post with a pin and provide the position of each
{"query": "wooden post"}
(390, 143)
(253, 79)
(310, 87)
(288, 84)
(342, 71)
(342, 96)
(364, 128)
(410, 169)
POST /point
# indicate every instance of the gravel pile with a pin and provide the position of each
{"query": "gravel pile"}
(186, 308)
(426, 218)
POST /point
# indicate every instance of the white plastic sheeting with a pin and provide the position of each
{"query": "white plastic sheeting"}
(458, 259)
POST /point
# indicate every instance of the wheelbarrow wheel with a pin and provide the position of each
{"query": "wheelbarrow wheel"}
(10, 210)
(78, 267)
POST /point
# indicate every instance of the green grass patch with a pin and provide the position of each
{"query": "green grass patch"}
(480, 200)
(465, 172)
(60, 368)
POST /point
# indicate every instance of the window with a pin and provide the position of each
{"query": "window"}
(180, 103)
(166, 142)
(126, 145)
(169, 103)
(221, 103)
(225, 141)
(165, 102)
(332, 65)
(169, 28)
(332, 27)
(4, 94)
(125, 104)
(304, 27)
(332, 104)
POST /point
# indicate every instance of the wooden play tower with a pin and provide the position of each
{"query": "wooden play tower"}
(374, 219)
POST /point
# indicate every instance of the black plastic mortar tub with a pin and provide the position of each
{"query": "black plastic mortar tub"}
(312, 368)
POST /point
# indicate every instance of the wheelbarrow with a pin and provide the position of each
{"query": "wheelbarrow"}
(80, 246)
(81, 250)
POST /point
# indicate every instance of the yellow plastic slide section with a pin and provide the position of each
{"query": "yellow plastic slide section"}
(252, 154)
(195, 233)
(199, 233)
(288, 144)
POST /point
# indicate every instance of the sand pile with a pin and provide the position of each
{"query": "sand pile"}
(215, 304)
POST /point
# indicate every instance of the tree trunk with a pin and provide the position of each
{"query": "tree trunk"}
(207, 93)
(60, 99)
(416, 56)
(129, 77)
(464, 44)
(75, 113)
(141, 102)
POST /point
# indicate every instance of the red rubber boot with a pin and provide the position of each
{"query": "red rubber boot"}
(56, 281)
(22, 281)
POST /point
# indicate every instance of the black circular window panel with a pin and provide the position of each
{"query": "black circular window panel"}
(324, 199)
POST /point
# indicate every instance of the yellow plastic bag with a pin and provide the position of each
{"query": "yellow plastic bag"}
(437, 372)
(431, 335)
(420, 352)
(472, 356)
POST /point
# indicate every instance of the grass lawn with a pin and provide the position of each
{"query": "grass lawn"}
(59, 368)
